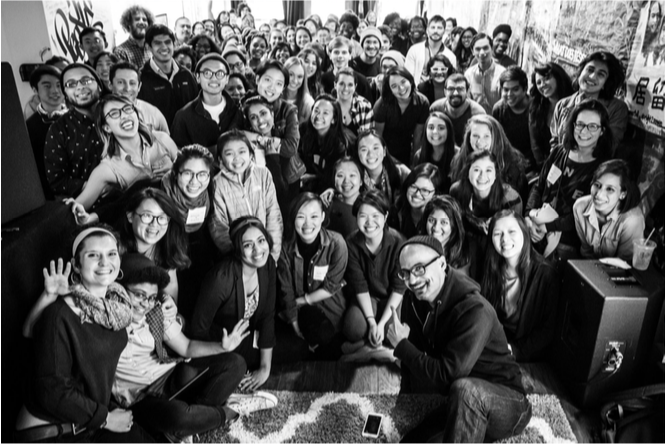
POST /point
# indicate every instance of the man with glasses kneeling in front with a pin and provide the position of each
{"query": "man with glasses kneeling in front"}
(451, 341)
(171, 395)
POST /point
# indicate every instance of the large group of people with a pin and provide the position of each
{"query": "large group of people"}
(395, 192)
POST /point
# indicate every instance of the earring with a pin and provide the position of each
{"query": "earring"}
(75, 278)
(120, 275)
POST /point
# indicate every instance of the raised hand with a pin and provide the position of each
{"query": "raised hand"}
(231, 341)
(397, 331)
(56, 281)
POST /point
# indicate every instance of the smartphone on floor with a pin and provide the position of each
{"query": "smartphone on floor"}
(372, 425)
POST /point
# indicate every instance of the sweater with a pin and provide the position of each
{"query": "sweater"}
(193, 124)
(75, 366)
(167, 96)
(459, 337)
(253, 195)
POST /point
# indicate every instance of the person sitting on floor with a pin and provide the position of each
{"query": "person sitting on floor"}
(147, 377)
(452, 342)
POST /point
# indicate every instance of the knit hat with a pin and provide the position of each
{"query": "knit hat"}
(370, 32)
(232, 49)
(71, 66)
(137, 268)
(427, 240)
(394, 55)
(212, 56)
(503, 28)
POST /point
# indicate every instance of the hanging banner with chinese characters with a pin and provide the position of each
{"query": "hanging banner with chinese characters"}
(645, 76)
(65, 19)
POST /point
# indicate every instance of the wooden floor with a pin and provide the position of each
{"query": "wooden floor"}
(335, 376)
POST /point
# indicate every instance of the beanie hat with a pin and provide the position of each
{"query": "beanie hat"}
(427, 240)
(212, 56)
(394, 55)
(137, 268)
(370, 32)
(71, 66)
(232, 49)
(503, 28)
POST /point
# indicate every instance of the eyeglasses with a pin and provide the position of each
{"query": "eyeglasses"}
(221, 74)
(201, 176)
(416, 271)
(72, 83)
(115, 113)
(455, 89)
(237, 66)
(592, 128)
(147, 219)
(423, 192)
(142, 297)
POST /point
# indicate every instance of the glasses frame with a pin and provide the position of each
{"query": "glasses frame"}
(187, 172)
(423, 192)
(208, 74)
(140, 297)
(84, 81)
(127, 109)
(418, 270)
(148, 219)
(579, 126)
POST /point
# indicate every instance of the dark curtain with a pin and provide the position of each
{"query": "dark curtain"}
(234, 5)
(293, 11)
(361, 7)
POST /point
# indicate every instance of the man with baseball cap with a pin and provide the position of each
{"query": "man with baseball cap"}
(451, 341)
(73, 147)
(368, 63)
(213, 112)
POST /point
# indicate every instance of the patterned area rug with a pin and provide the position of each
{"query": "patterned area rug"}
(304, 417)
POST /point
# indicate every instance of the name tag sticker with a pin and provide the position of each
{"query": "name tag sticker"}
(554, 174)
(320, 272)
(196, 215)
(317, 159)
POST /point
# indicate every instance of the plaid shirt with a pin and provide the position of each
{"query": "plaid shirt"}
(132, 52)
(362, 114)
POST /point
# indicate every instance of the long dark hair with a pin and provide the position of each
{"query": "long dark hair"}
(109, 142)
(333, 139)
(314, 84)
(238, 228)
(448, 146)
(456, 248)
(465, 193)
(540, 105)
(503, 152)
(603, 149)
(389, 163)
(171, 250)
(461, 53)
(424, 170)
(493, 282)
(620, 169)
(387, 94)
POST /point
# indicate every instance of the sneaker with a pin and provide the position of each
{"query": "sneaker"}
(246, 404)
(173, 438)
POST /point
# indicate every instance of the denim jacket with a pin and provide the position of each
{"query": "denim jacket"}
(326, 271)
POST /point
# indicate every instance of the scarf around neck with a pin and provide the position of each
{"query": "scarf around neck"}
(113, 312)
(185, 204)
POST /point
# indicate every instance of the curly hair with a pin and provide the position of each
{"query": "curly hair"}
(127, 17)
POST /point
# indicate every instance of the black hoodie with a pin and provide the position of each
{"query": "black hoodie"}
(460, 337)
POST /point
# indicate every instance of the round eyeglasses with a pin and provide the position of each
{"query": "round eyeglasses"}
(162, 220)
(416, 271)
(115, 113)
(221, 74)
(201, 176)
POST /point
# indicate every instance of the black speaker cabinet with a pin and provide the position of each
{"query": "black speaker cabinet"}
(21, 189)
(607, 323)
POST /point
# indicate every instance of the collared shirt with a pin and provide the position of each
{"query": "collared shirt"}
(169, 77)
(156, 156)
(362, 115)
(614, 238)
(139, 366)
(151, 116)
(71, 151)
(484, 85)
(131, 51)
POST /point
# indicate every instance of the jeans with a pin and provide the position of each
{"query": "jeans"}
(477, 411)
(199, 407)
(354, 325)
(315, 326)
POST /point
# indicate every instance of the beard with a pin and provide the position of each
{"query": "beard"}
(88, 103)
